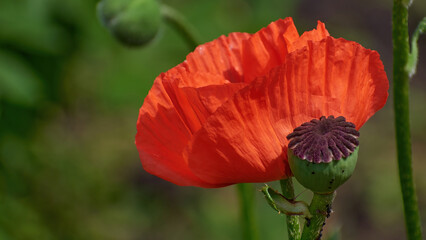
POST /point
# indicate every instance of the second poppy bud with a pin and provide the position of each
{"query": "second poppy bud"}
(132, 22)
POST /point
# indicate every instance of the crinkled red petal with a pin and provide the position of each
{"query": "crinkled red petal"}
(179, 103)
(244, 140)
(314, 35)
(267, 48)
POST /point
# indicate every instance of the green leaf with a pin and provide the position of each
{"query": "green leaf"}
(283, 205)
(413, 57)
(18, 82)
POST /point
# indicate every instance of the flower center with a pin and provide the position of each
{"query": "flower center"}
(324, 139)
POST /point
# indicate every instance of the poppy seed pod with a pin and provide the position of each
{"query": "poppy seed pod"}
(133, 22)
(323, 153)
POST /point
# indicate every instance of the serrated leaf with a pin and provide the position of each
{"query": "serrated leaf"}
(413, 57)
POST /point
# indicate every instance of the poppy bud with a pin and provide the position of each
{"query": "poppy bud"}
(132, 22)
(323, 153)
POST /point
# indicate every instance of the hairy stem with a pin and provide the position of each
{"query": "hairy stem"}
(293, 227)
(320, 209)
(402, 121)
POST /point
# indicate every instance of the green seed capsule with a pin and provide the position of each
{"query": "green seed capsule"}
(323, 153)
(132, 22)
(323, 177)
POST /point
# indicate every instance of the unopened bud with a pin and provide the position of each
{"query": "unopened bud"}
(132, 22)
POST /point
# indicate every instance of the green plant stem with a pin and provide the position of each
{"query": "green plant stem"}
(293, 227)
(180, 24)
(246, 194)
(320, 209)
(402, 121)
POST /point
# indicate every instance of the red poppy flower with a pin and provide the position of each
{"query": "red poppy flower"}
(222, 116)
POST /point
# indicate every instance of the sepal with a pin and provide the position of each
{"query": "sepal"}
(284, 205)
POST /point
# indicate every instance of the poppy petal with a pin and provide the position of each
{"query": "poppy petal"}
(213, 96)
(315, 35)
(267, 48)
(167, 120)
(179, 103)
(238, 143)
(160, 137)
(336, 77)
(244, 140)
(221, 56)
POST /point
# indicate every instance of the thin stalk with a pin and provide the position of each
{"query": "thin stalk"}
(320, 209)
(246, 194)
(180, 24)
(293, 227)
(402, 121)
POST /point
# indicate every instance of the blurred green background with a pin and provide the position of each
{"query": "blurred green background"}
(69, 100)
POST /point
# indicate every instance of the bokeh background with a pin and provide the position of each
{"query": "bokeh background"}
(69, 100)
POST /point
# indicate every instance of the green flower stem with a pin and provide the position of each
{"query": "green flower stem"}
(402, 121)
(246, 194)
(293, 227)
(178, 21)
(320, 209)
